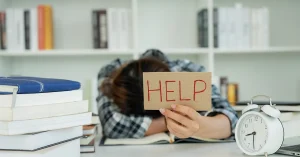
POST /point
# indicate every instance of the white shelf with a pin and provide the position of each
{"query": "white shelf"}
(258, 50)
(75, 52)
(85, 52)
(181, 51)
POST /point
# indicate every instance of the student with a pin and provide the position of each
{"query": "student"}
(120, 103)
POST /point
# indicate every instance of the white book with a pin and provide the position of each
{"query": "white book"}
(238, 13)
(124, 28)
(69, 149)
(43, 111)
(40, 140)
(221, 27)
(41, 98)
(232, 25)
(44, 124)
(112, 18)
(260, 30)
(254, 28)
(20, 31)
(10, 29)
(227, 27)
(33, 29)
(246, 28)
(265, 25)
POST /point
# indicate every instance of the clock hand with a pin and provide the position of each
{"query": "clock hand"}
(250, 134)
(254, 133)
(253, 142)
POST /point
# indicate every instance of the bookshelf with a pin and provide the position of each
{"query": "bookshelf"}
(171, 26)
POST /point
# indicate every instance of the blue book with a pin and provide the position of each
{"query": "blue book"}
(27, 85)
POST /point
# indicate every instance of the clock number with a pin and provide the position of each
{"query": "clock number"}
(243, 131)
(256, 118)
(261, 121)
(250, 120)
(260, 146)
(248, 144)
(246, 125)
(245, 139)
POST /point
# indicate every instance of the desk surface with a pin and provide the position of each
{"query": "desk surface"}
(171, 150)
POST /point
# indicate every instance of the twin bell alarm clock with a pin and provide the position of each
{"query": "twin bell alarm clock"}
(259, 130)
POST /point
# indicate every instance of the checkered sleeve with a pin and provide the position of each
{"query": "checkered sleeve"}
(114, 123)
(219, 105)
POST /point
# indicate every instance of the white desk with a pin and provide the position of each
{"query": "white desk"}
(171, 150)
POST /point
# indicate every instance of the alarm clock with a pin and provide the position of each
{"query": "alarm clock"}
(259, 130)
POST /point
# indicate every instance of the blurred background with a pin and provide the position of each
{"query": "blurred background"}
(251, 46)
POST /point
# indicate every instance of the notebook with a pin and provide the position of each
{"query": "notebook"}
(28, 85)
(160, 138)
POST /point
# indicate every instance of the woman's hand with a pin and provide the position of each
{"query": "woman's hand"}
(182, 121)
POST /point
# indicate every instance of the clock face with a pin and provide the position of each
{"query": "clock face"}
(253, 133)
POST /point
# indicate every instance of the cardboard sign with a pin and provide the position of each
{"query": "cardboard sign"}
(162, 89)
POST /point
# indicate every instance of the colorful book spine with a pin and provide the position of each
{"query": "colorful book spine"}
(2, 31)
(41, 27)
(96, 33)
(48, 27)
(27, 29)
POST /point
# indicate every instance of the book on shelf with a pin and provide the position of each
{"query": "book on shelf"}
(160, 138)
(40, 140)
(235, 27)
(68, 149)
(27, 28)
(111, 28)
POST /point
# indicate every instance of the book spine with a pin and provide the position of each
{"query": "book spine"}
(1, 41)
(103, 29)
(124, 28)
(9, 28)
(95, 21)
(4, 30)
(41, 27)
(48, 28)
(20, 33)
(112, 28)
(232, 93)
(216, 24)
(223, 86)
(199, 26)
(205, 28)
(33, 29)
(27, 29)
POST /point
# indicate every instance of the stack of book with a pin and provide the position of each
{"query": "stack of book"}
(111, 28)
(235, 27)
(26, 28)
(41, 117)
(93, 130)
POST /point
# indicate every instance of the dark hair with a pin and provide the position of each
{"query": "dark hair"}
(125, 85)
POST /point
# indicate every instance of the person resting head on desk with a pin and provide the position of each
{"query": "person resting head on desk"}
(120, 103)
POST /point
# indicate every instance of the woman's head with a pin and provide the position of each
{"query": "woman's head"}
(126, 85)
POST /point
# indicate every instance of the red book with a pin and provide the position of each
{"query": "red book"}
(41, 27)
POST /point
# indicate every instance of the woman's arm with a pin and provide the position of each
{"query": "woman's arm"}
(116, 124)
(157, 126)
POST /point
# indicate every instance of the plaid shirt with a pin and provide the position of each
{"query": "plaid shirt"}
(117, 125)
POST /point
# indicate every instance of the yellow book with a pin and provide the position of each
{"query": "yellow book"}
(48, 27)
